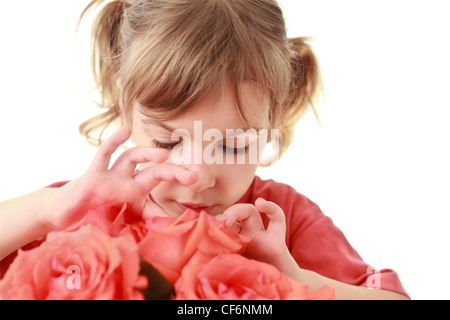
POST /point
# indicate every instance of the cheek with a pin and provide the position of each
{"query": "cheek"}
(235, 179)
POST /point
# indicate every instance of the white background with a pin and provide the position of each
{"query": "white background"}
(378, 165)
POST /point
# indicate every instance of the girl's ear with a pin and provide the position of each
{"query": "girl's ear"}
(271, 152)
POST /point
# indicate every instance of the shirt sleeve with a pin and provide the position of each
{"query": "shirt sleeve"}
(318, 245)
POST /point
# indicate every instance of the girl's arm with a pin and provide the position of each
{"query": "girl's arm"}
(343, 291)
(268, 245)
(20, 220)
(32, 216)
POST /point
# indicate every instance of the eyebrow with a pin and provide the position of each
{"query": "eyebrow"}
(158, 123)
(170, 129)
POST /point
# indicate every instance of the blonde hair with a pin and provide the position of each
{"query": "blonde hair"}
(167, 55)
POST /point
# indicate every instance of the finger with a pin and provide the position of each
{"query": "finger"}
(273, 212)
(246, 215)
(130, 158)
(271, 209)
(103, 156)
(149, 177)
(236, 226)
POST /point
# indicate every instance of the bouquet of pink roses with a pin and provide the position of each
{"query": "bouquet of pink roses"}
(112, 253)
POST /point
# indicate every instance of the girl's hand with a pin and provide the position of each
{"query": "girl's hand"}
(117, 184)
(267, 245)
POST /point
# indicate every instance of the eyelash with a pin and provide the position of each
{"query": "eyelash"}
(162, 145)
(242, 150)
(169, 146)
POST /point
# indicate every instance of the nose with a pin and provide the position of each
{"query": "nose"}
(206, 176)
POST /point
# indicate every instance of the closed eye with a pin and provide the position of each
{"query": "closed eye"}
(241, 150)
(163, 145)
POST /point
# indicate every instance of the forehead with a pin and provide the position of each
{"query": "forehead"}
(223, 110)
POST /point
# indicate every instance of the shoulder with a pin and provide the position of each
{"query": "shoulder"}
(275, 190)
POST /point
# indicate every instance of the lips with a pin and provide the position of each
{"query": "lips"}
(195, 206)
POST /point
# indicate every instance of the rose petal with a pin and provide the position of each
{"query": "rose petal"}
(170, 243)
(108, 268)
(232, 276)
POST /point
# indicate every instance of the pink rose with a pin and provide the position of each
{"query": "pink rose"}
(232, 276)
(82, 264)
(171, 242)
(6, 262)
(114, 221)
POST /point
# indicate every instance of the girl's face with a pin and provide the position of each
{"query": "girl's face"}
(207, 148)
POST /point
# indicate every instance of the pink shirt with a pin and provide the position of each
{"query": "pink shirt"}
(316, 243)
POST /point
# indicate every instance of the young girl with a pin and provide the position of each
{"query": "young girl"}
(209, 81)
